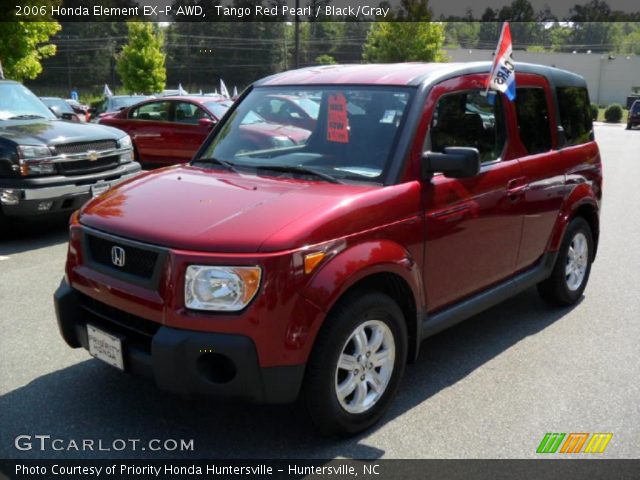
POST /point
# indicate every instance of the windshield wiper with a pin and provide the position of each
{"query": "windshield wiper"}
(301, 169)
(25, 117)
(217, 161)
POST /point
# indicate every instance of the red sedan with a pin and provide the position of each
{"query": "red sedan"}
(170, 130)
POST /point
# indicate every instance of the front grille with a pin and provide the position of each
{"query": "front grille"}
(137, 330)
(82, 147)
(137, 261)
(87, 166)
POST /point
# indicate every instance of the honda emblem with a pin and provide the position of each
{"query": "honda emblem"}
(117, 256)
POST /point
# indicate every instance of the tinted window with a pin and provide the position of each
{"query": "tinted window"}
(635, 108)
(154, 111)
(575, 114)
(469, 119)
(533, 119)
(189, 113)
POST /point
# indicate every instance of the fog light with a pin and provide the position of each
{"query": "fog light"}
(44, 206)
(9, 197)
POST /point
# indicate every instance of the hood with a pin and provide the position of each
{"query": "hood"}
(189, 208)
(55, 132)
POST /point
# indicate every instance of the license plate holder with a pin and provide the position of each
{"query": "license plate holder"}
(105, 347)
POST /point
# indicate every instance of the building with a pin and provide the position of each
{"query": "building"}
(611, 78)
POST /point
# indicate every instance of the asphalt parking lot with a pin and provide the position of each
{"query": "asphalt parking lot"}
(488, 388)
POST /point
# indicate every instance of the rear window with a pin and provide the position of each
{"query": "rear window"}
(635, 108)
(533, 119)
(575, 115)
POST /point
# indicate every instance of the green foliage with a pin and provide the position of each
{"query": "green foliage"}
(141, 64)
(594, 111)
(325, 60)
(23, 45)
(404, 42)
(613, 113)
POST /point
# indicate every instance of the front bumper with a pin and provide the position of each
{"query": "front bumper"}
(186, 362)
(65, 193)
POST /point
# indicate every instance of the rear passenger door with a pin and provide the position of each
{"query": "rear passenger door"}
(541, 163)
(473, 224)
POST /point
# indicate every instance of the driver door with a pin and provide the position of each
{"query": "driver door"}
(473, 225)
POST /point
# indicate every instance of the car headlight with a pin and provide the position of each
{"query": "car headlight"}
(33, 152)
(125, 142)
(228, 289)
(29, 156)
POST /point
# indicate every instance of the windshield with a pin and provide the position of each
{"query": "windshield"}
(352, 136)
(218, 108)
(17, 102)
(312, 108)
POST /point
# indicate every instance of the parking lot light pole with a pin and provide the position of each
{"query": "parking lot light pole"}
(297, 37)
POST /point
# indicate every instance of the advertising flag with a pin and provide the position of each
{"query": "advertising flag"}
(107, 91)
(502, 76)
(223, 89)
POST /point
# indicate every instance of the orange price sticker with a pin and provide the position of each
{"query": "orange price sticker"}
(337, 120)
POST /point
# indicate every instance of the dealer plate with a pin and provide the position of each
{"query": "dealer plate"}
(105, 347)
(99, 189)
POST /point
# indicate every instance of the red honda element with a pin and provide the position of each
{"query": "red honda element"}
(316, 269)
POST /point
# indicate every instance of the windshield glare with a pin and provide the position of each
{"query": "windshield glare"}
(350, 137)
(17, 101)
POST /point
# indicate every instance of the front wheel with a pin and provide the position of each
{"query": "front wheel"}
(571, 272)
(356, 365)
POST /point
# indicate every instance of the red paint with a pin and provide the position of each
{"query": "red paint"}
(445, 238)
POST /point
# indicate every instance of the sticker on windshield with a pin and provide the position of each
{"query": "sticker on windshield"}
(337, 120)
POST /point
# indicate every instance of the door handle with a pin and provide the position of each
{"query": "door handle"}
(516, 188)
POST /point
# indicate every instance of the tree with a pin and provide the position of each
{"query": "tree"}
(23, 45)
(141, 64)
(325, 60)
(404, 42)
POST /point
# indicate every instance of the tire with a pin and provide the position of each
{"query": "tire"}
(562, 288)
(379, 318)
(628, 126)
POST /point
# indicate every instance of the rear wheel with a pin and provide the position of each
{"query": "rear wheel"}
(573, 266)
(356, 365)
(628, 126)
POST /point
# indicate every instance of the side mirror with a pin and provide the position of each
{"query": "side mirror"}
(206, 122)
(70, 116)
(455, 162)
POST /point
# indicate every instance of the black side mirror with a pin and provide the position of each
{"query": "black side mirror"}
(455, 162)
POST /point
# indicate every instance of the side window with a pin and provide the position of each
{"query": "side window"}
(189, 113)
(469, 119)
(154, 111)
(533, 119)
(575, 114)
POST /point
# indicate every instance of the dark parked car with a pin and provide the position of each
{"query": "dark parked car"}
(61, 109)
(316, 269)
(49, 165)
(170, 130)
(79, 108)
(633, 120)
